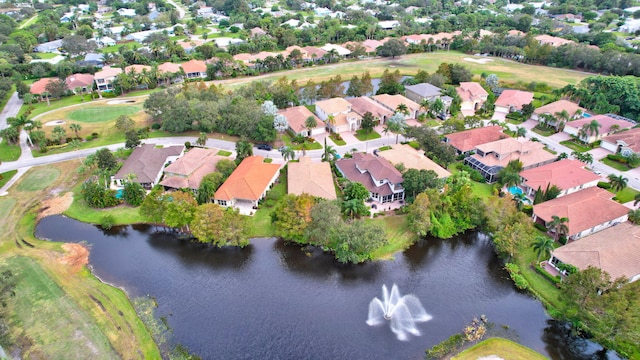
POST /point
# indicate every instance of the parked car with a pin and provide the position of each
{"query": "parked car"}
(264, 147)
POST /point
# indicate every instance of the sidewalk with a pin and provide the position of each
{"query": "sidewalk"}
(4, 191)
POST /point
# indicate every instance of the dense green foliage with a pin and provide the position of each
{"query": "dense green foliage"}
(133, 193)
(219, 226)
(97, 196)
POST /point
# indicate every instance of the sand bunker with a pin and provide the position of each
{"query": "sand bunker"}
(76, 256)
(478, 61)
(55, 205)
(55, 123)
(118, 102)
(490, 357)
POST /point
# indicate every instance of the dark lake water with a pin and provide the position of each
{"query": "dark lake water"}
(276, 301)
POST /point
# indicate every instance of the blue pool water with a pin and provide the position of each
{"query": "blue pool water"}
(514, 190)
(587, 115)
(119, 193)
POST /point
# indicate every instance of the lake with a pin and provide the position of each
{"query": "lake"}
(271, 300)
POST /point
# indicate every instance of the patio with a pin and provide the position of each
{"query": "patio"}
(377, 207)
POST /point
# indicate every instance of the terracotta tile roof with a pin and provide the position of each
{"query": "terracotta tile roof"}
(372, 166)
(312, 50)
(392, 101)
(565, 174)
(249, 180)
(137, 68)
(604, 120)
(146, 162)
(194, 66)
(585, 209)
(169, 67)
(514, 98)
(630, 137)
(107, 72)
(470, 90)
(341, 119)
(515, 33)
(78, 80)
(371, 45)
(615, 250)
(287, 52)
(528, 152)
(468, 140)
(189, 170)
(412, 159)
(39, 86)
(363, 104)
(553, 40)
(313, 178)
(256, 31)
(297, 116)
(557, 106)
(334, 106)
(190, 44)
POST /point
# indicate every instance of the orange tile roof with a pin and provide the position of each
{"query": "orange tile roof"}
(470, 90)
(137, 68)
(468, 140)
(565, 174)
(615, 250)
(412, 159)
(585, 209)
(107, 72)
(392, 102)
(553, 40)
(364, 104)
(515, 98)
(604, 120)
(528, 152)
(313, 178)
(249, 180)
(297, 116)
(194, 66)
(557, 106)
(39, 86)
(630, 137)
(78, 80)
(334, 106)
(169, 67)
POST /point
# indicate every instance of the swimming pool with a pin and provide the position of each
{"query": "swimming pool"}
(516, 191)
(119, 193)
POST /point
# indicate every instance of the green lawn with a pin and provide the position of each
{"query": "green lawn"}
(94, 114)
(122, 214)
(398, 235)
(261, 223)
(6, 205)
(224, 153)
(38, 179)
(115, 48)
(57, 327)
(483, 190)
(336, 141)
(288, 141)
(576, 146)
(4, 178)
(363, 136)
(544, 132)
(503, 348)
(9, 152)
(615, 164)
(45, 56)
(42, 107)
(625, 195)
(548, 293)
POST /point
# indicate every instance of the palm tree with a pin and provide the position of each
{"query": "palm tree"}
(634, 216)
(558, 225)
(75, 128)
(287, 153)
(636, 200)
(594, 128)
(403, 109)
(310, 123)
(520, 199)
(521, 132)
(351, 207)
(331, 120)
(583, 132)
(510, 179)
(243, 149)
(543, 245)
(202, 139)
(425, 105)
(562, 117)
(618, 182)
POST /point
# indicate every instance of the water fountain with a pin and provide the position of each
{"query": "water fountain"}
(403, 312)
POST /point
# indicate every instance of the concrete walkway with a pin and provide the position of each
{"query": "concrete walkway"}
(5, 189)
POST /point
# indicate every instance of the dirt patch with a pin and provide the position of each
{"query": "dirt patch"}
(478, 61)
(56, 205)
(77, 256)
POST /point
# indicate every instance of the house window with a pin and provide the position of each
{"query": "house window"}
(222, 202)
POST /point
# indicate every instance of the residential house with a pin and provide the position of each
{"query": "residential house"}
(492, 157)
(146, 164)
(313, 178)
(364, 104)
(510, 101)
(105, 77)
(555, 108)
(195, 69)
(391, 102)
(466, 141)
(130, 13)
(256, 31)
(340, 50)
(137, 69)
(428, 92)
(567, 175)
(624, 143)
(188, 171)
(412, 159)
(247, 185)
(169, 73)
(371, 46)
(39, 86)
(49, 47)
(93, 59)
(205, 12)
(338, 115)
(388, 24)
(472, 96)
(223, 42)
(378, 175)
(104, 41)
(615, 250)
(315, 52)
(82, 81)
(553, 40)
(609, 126)
(189, 45)
(589, 210)
(297, 118)
(293, 23)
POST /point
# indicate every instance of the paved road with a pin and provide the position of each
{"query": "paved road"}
(10, 110)
(178, 7)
